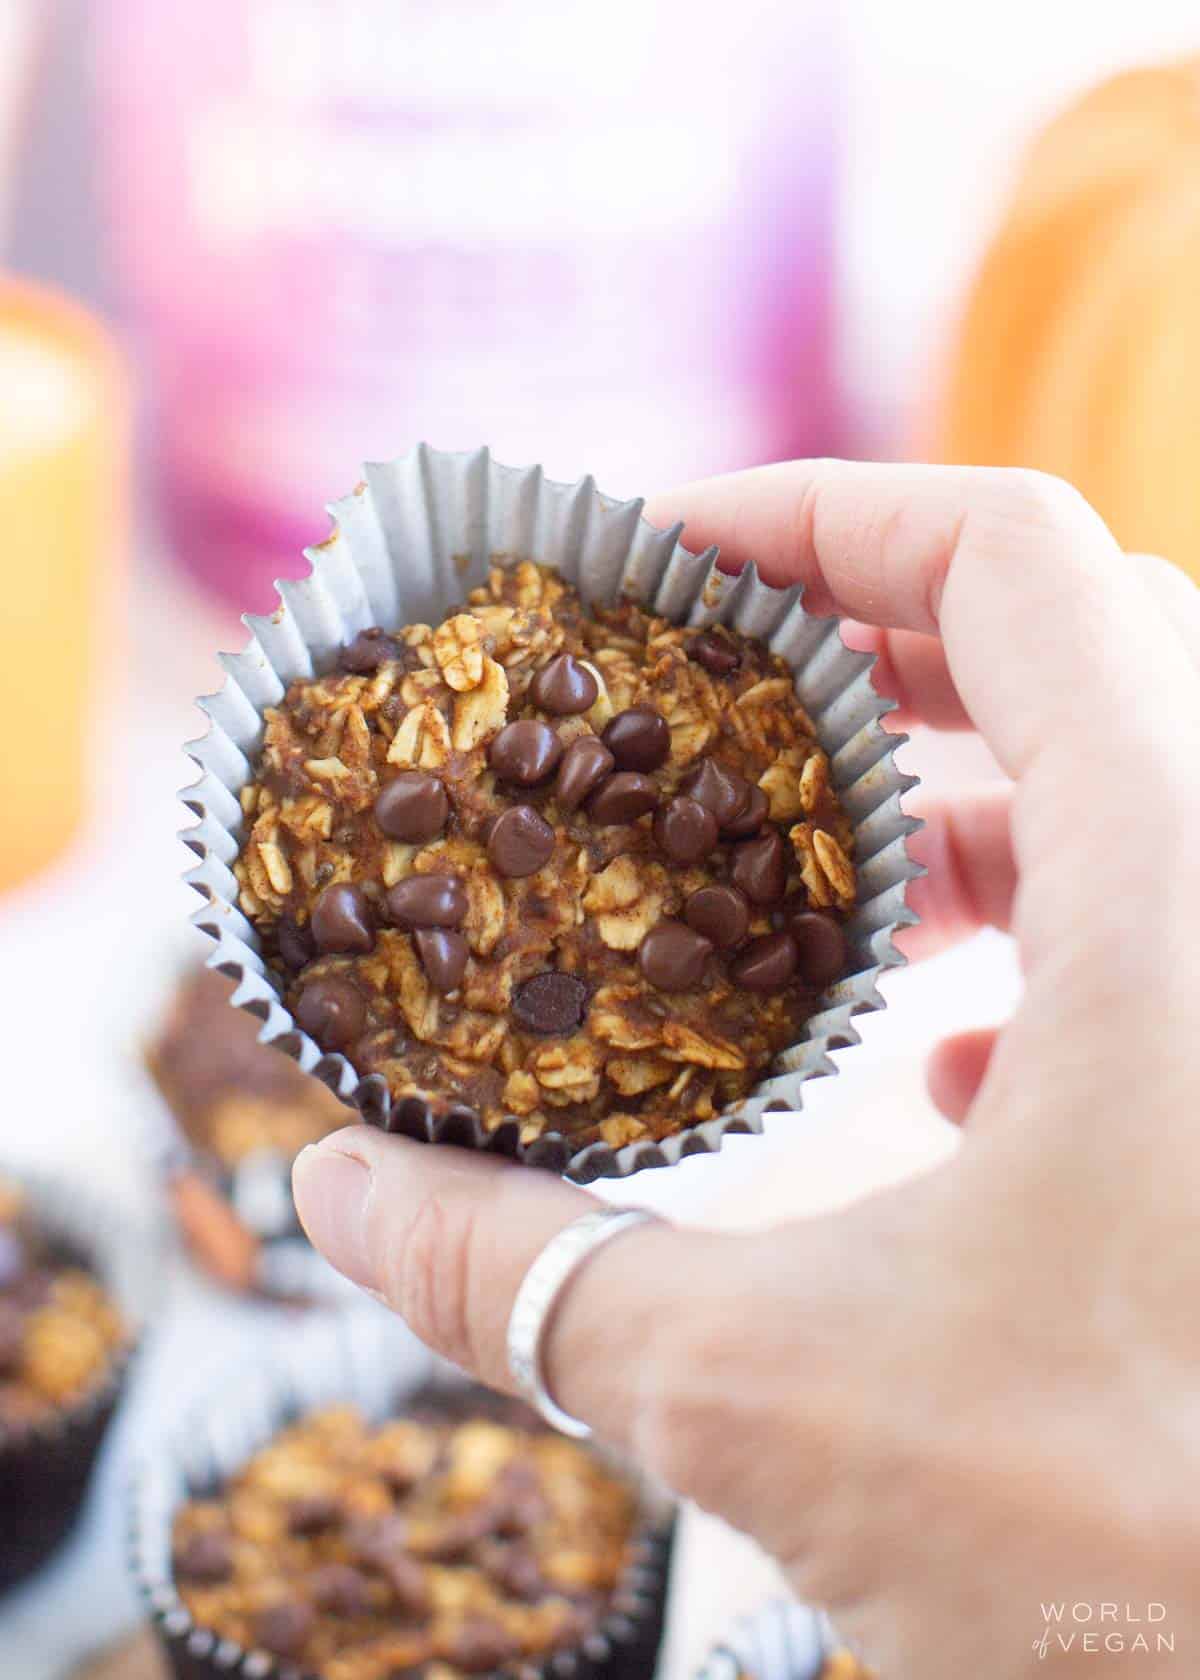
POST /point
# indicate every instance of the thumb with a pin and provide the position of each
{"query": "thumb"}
(445, 1238)
(683, 1348)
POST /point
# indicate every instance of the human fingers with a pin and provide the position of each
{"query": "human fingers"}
(971, 879)
(956, 1070)
(668, 1342)
(910, 668)
(1060, 655)
(445, 1237)
(1042, 619)
(1176, 595)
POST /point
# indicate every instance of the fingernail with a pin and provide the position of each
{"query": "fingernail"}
(333, 1193)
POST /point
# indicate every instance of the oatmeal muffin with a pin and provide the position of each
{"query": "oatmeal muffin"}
(243, 1113)
(59, 1330)
(232, 1097)
(64, 1343)
(577, 867)
(436, 1545)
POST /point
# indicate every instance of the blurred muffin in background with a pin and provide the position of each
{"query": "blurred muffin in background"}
(438, 1534)
(1079, 348)
(59, 1330)
(67, 1328)
(243, 1113)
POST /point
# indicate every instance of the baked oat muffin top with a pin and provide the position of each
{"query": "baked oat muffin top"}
(578, 866)
(59, 1330)
(426, 1546)
(230, 1095)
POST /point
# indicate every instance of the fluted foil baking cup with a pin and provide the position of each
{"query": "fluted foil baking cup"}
(408, 544)
(358, 1358)
(46, 1466)
(782, 1641)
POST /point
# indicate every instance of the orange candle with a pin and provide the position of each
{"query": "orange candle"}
(63, 471)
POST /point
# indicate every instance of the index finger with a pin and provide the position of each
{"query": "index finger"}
(1046, 627)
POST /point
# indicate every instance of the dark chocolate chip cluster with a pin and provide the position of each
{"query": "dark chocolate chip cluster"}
(453, 1548)
(550, 862)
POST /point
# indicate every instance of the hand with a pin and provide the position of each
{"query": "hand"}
(976, 1393)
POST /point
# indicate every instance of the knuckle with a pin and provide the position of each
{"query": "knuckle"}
(1043, 499)
(427, 1277)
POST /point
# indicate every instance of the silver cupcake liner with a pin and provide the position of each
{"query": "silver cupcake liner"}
(360, 1358)
(408, 544)
(783, 1641)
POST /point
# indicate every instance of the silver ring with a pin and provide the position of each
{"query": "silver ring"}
(538, 1295)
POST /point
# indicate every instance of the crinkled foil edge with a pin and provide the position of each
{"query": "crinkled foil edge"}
(408, 543)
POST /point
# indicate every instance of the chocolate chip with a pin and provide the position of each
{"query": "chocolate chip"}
(443, 957)
(33, 1288)
(283, 1629)
(750, 820)
(673, 957)
(342, 919)
(552, 1003)
(12, 1257)
(623, 798)
(720, 914)
(715, 653)
(564, 687)
(584, 766)
(295, 944)
(517, 1503)
(686, 830)
(12, 1337)
(374, 1541)
(333, 1011)
(515, 1570)
(428, 901)
(367, 652)
(313, 1515)
(407, 1580)
(412, 807)
(520, 842)
(205, 1558)
(638, 739)
(525, 753)
(766, 964)
(479, 1644)
(719, 789)
(340, 1590)
(819, 940)
(760, 868)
